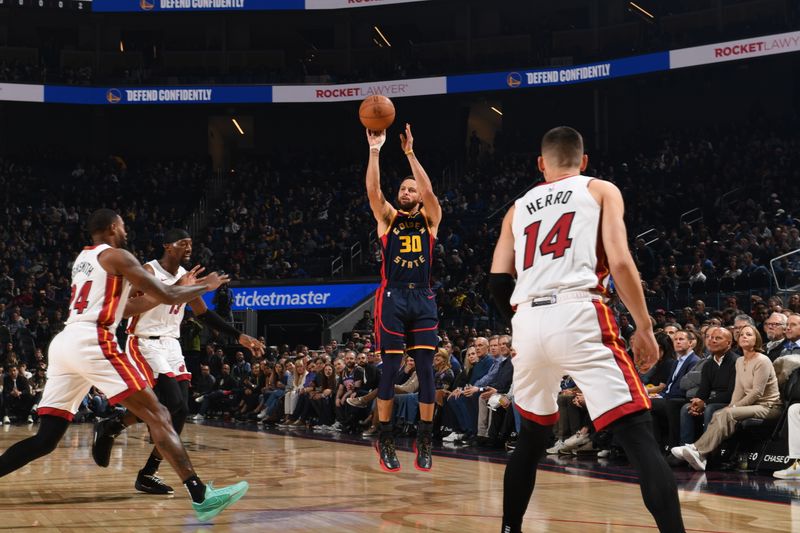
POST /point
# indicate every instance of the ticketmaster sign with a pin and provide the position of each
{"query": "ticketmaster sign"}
(297, 296)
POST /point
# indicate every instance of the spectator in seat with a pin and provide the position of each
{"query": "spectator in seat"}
(224, 393)
(322, 398)
(715, 387)
(656, 379)
(666, 407)
(241, 368)
(203, 385)
(755, 396)
(775, 327)
(293, 388)
(17, 399)
(792, 342)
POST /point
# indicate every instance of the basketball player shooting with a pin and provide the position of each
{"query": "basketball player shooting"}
(562, 240)
(153, 342)
(405, 314)
(85, 354)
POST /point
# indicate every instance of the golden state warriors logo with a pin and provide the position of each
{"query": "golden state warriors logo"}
(114, 96)
(513, 79)
(145, 5)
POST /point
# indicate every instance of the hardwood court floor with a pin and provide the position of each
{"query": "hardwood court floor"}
(307, 485)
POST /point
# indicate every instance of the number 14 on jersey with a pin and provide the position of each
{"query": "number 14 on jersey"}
(556, 242)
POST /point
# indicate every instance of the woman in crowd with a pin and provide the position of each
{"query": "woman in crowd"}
(273, 393)
(322, 398)
(755, 395)
(293, 387)
(656, 379)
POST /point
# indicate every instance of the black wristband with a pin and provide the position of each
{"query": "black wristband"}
(214, 321)
(501, 286)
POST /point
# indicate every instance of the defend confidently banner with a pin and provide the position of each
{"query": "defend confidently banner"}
(297, 297)
(158, 95)
(617, 68)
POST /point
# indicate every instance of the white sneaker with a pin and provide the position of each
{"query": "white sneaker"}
(30, 419)
(337, 426)
(557, 447)
(199, 399)
(577, 440)
(262, 415)
(603, 454)
(793, 472)
(677, 451)
(452, 437)
(198, 416)
(695, 459)
(6, 420)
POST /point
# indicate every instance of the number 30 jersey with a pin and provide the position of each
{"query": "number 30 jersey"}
(96, 296)
(558, 246)
(162, 320)
(407, 249)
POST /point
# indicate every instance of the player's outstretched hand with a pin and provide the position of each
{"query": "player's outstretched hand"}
(254, 345)
(645, 350)
(214, 280)
(407, 140)
(191, 277)
(376, 139)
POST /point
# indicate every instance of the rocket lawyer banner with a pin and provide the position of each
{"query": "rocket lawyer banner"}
(359, 91)
(732, 50)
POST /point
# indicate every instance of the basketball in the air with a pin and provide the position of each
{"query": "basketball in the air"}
(376, 112)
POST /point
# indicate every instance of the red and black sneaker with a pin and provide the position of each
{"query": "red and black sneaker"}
(387, 454)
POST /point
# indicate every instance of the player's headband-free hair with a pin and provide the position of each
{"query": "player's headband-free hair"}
(175, 235)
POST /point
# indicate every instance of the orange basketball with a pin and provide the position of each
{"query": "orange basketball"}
(376, 112)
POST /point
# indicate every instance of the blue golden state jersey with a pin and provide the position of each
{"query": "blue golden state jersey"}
(407, 249)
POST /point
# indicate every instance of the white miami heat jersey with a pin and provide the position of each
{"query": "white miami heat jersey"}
(163, 320)
(557, 242)
(96, 294)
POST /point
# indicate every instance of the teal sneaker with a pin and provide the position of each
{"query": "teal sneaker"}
(218, 499)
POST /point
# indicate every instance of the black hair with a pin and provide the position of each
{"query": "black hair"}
(101, 220)
(565, 144)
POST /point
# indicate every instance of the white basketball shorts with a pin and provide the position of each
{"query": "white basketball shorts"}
(83, 355)
(580, 339)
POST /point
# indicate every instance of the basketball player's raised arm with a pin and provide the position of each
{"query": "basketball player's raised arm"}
(501, 275)
(141, 303)
(122, 263)
(624, 271)
(381, 209)
(433, 211)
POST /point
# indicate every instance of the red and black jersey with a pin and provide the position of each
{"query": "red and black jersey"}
(407, 250)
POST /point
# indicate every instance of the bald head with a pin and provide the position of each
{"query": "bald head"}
(718, 341)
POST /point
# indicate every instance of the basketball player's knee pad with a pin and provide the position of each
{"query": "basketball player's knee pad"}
(389, 369)
(423, 362)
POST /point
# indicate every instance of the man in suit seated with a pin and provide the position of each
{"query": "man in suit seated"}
(17, 399)
(667, 405)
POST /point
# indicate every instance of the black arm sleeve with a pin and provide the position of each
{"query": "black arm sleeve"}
(501, 286)
(214, 321)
